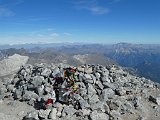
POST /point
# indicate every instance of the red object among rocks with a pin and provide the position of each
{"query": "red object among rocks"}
(49, 101)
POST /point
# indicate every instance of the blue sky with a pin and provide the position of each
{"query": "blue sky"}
(90, 21)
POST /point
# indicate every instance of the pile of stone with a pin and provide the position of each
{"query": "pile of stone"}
(105, 93)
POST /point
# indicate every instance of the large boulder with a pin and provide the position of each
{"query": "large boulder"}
(12, 64)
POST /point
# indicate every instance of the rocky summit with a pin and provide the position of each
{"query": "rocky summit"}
(41, 92)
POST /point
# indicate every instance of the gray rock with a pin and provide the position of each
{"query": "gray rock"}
(33, 115)
(87, 76)
(12, 103)
(98, 116)
(115, 115)
(82, 91)
(145, 93)
(43, 114)
(55, 72)
(47, 89)
(86, 112)
(109, 85)
(97, 75)
(113, 105)
(28, 68)
(45, 97)
(93, 99)
(99, 84)
(157, 85)
(107, 93)
(31, 87)
(40, 90)
(141, 118)
(81, 84)
(59, 107)
(7, 81)
(105, 79)
(85, 69)
(17, 94)
(77, 97)
(91, 90)
(52, 114)
(15, 80)
(10, 88)
(28, 95)
(23, 72)
(89, 81)
(37, 81)
(120, 91)
(46, 72)
(99, 106)
(31, 102)
(21, 113)
(126, 108)
(93, 78)
(81, 77)
(106, 108)
(83, 104)
(138, 104)
(68, 111)
(154, 99)
(1, 98)
(3, 90)
(99, 92)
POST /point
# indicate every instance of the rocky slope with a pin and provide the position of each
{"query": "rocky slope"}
(93, 59)
(105, 93)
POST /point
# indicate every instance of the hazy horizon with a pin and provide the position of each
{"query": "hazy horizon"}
(79, 21)
(75, 43)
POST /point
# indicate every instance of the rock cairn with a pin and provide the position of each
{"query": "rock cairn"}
(105, 93)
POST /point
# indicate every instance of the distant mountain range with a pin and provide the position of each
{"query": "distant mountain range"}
(143, 58)
(40, 45)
